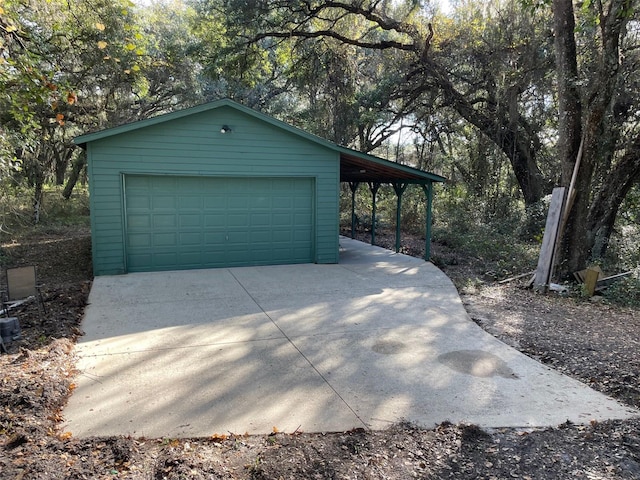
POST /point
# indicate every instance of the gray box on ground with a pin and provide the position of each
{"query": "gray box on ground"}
(10, 329)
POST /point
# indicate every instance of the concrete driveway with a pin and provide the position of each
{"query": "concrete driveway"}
(379, 338)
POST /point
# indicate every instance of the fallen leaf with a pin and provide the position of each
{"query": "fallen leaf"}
(218, 438)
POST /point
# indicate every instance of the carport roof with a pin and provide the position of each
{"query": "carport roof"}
(354, 166)
(359, 167)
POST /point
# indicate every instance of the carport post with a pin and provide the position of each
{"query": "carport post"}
(428, 193)
(373, 186)
(399, 189)
(353, 186)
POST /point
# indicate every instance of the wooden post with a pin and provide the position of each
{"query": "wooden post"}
(428, 193)
(399, 188)
(567, 205)
(353, 186)
(571, 193)
(373, 186)
(549, 241)
(590, 280)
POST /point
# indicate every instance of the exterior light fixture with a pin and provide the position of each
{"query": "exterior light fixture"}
(225, 129)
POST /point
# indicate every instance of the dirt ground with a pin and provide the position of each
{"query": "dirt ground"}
(591, 341)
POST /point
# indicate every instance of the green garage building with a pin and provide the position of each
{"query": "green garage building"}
(220, 185)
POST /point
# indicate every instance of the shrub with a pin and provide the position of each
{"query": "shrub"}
(59, 211)
(625, 292)
(16, 213)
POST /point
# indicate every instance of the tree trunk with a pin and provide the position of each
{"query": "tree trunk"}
(61, 158)
(78, 165)
(607, 202)
(38, 193)
(592, 216)
(512, 140)
(569, 105)
(569, 130)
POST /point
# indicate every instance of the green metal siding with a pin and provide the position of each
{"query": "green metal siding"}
(193, 146)
(175, 222)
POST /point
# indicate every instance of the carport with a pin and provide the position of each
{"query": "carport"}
(356, 169)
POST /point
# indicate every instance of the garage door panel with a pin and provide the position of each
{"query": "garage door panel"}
(139, 221)
(260, 219)
(161, 184)
(260, 201)
(165, 259)
(191, 240)
(301, 236)
(165, 221)
(236, 255)
(282, 202)
(140, 240)
(139, 261)
(215, 239)
(200, 222)
(217, 220)
(281, 253)
(214, 201)
(282, 220)
(237, 219)
(302, 203)
(190, 258)
(282, 236)
(262, 257)
(193, 220)
(164, 202)
(258, 237)
(235, 203)
(237, 240)
(138, 182)
(299, 253)
(165, 240)
(138, 202)
(187, 202)
(301, 220)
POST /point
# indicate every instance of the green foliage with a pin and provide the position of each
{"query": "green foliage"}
(534, 5)
(500, 254)
(623, 253)
(413, 207)
(625, 292)
(488, 232)
(475, 229)
(62, 212)
(15, 209)
(68, 68)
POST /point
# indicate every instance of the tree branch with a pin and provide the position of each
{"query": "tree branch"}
(338, 11)
(380, 45)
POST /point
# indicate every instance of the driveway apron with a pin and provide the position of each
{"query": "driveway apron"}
(376, 339)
